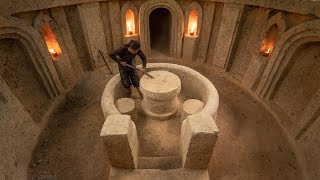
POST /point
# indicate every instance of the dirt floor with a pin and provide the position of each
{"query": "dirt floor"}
(71, 147)
(250, 144)
(157, 138)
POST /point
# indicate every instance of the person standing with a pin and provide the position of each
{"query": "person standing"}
(126, 55)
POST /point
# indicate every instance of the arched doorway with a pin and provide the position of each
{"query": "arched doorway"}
(160, 21)
(19, 72)
(299, 81)
(176, 31)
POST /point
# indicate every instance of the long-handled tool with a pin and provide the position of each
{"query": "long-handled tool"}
(100, 52)
(130, 66)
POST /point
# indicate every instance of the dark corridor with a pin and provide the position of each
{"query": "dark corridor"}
(160, 28)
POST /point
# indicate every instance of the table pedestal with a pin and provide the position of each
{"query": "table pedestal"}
(160, 94)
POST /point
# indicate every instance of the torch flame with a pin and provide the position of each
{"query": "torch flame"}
(268, 51)
(193, 27)
(129, 27)
(53, 52)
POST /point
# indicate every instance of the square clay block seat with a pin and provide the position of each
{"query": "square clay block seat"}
(191, 106)
(125, 106)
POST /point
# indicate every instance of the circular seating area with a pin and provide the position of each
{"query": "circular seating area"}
(192, 83)
(196, 130)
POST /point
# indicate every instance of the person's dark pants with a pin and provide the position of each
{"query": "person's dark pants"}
(129, 77)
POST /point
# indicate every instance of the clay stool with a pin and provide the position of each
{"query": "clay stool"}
(160, 94)
(126, 106)
(191, 106)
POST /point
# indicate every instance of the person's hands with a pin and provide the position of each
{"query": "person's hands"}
(143, 70)
(123, 64)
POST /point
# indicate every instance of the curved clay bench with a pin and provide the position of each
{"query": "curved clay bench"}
(119, 133)
(192, 83)
(111, 92)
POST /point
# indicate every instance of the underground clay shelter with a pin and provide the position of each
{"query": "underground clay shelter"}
(231, 90)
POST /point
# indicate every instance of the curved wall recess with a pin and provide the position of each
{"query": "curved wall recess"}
(176, 29)
(269, 41)
(55, 45)
(49, 30)
(16, 29)
(129, 17)
(273, 29)
(19, 73)
(193, 17)
(288, 43)
(130, 23)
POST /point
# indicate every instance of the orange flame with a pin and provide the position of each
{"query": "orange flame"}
(53, 52)
(193, 27)
(268, 51)
(51, 41)
(130, 22)
(192, 24)
(129, 27)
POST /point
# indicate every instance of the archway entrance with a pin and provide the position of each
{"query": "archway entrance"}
(160, 21)
(18, 71)
(299, 81)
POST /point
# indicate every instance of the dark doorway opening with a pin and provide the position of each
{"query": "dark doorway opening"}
(160, 30)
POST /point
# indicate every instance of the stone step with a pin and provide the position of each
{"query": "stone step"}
(158, 174)
(171, 162)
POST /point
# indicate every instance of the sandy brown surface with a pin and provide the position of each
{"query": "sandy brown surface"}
(71, 147)
(250, 144)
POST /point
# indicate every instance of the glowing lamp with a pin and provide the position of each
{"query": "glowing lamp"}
(51, 41)
(192, 29)
(193, 23)
(130, 23)
(269, 41)
(266, 53)
(130, 32)
(53, 52)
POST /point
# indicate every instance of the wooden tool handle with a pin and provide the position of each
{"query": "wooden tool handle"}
(130, 66)
(101, 54)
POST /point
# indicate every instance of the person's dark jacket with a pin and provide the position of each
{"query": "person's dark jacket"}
(123, 55)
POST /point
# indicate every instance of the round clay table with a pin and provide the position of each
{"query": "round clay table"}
(160, 94)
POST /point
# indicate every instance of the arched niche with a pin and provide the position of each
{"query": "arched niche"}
(49, 30)
(269, 41)
(130, 26)
(280, 58)
(13, 28)
(273, 29)
(193, 19)
(176, 29)
(129, 17)
(300, 81)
